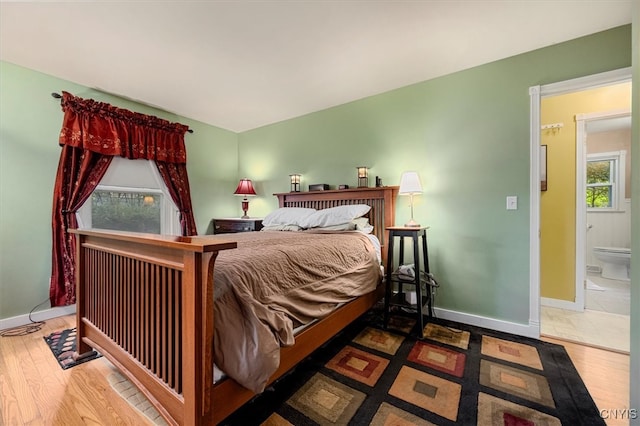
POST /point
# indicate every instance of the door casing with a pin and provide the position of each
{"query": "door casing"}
(536, 93)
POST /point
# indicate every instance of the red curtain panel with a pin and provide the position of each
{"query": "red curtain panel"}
(92, 134)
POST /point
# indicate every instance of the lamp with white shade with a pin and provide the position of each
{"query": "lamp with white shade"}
(410, 185)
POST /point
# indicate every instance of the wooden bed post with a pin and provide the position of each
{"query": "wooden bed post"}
(82, 348)
(197, 332)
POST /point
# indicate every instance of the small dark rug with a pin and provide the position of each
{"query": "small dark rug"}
(63, 345)
(456, 375)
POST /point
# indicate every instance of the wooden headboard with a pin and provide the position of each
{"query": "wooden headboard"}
(381, 199)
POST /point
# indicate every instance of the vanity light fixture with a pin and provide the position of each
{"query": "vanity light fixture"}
(295, 182)
(363, 176)
(410, 185)
(245, 188)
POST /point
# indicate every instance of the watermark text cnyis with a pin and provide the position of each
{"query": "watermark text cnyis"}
(619, 413)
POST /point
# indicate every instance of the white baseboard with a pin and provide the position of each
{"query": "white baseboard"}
(37, 316)
(529, 330)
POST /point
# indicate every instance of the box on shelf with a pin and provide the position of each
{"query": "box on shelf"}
(319, 187)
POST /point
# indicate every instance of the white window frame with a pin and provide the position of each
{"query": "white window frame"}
(617, 179)
(169, 214)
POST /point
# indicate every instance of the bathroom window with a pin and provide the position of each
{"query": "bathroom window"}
(605, 180)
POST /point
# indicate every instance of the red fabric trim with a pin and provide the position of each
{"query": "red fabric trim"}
(108, 130)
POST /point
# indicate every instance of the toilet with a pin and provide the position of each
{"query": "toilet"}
(615, 262)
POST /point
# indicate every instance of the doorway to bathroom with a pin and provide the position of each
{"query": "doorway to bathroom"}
(581, 129)
(604, 177)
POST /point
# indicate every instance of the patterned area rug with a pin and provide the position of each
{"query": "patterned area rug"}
(63, 345)
(456, 375)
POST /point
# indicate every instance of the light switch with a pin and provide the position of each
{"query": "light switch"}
(512, 202)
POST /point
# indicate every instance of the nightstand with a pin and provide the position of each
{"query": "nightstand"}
(233, 225)
(420, 278)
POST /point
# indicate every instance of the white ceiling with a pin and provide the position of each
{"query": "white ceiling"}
(244, 64)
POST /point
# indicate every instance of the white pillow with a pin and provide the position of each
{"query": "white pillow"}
(287, 216)
(335, 215)
(362, 224)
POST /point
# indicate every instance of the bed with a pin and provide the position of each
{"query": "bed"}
(146, 303)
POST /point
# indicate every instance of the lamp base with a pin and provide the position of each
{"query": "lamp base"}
(412, 224)
(245, 209)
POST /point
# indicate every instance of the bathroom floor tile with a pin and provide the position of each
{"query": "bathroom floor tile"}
(613, 297)
(591, 327)
(604, 322)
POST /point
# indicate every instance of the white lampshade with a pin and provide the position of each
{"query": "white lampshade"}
(410, 184)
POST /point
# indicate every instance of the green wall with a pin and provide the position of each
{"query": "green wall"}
(467, 134)
(30, 121)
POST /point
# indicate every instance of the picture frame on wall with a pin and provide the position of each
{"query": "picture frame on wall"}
(543, 167)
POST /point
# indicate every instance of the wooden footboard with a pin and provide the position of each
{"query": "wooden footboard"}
(143, 301)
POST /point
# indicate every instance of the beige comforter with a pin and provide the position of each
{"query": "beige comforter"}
(275, 281)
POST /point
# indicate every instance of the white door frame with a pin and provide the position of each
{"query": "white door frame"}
(535, 95)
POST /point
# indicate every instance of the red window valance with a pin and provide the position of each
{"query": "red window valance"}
(109, 130)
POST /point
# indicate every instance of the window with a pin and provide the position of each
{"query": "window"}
(131, 197)
(605, 180)
(123, 209)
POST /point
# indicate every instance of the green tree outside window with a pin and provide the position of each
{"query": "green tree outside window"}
(126, 211)
(599, 184)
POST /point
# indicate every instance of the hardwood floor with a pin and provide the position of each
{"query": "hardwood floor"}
(606, 375)
(34, 390)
